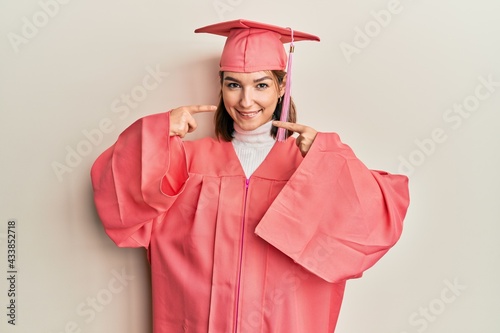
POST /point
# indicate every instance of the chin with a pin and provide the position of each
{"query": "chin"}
(247, 126)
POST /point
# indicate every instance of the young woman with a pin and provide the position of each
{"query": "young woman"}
(243, 233)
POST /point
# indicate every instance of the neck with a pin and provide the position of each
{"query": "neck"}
(253, 146)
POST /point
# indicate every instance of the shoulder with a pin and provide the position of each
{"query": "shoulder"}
(203, 145)
(209, 156)
(328, 142)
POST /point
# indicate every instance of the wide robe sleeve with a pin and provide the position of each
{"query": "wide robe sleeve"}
(335, 217)
(138, 178)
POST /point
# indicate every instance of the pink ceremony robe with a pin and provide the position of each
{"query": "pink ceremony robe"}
(267, 254)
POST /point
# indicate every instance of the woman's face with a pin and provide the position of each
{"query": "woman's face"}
(250, 98)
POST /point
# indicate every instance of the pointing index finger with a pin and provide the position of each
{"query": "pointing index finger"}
(294, 127)
(193, 109)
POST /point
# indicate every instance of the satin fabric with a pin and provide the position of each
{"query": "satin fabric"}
(266, 254)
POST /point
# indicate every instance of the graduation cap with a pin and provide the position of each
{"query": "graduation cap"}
(253, 46)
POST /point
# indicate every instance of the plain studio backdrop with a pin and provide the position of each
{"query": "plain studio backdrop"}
(413, 86)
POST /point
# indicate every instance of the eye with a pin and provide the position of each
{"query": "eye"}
(233, 85)
(262, 86)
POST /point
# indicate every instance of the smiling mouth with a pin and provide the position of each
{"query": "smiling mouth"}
(249, 114)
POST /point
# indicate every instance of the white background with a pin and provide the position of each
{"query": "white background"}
(63, 77)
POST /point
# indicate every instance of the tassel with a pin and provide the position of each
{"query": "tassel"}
(281, 136)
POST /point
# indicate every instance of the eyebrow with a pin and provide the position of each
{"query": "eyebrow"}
(229, 78)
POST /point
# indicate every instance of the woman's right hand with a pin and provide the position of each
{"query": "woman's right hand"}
(182, 120)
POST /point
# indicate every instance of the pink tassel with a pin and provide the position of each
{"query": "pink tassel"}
(281, 136)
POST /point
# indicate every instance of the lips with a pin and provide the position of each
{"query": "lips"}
(249, 114)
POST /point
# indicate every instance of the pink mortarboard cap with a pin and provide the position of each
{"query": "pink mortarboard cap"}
(253, 46)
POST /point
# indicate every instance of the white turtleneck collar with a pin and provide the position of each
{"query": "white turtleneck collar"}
(260, 135)
(252, 147)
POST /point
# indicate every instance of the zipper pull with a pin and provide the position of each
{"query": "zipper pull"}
(247, 181)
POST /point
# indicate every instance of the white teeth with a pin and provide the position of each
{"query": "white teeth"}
(249, 114)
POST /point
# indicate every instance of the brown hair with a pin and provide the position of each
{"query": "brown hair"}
(224, 125)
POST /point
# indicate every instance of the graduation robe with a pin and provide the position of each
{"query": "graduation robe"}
(229, 254)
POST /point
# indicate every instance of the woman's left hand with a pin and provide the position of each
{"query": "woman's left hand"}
(306, 134)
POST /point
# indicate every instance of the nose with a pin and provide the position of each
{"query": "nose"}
(246, 99)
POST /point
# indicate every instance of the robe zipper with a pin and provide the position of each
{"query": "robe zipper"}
(238, 286)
